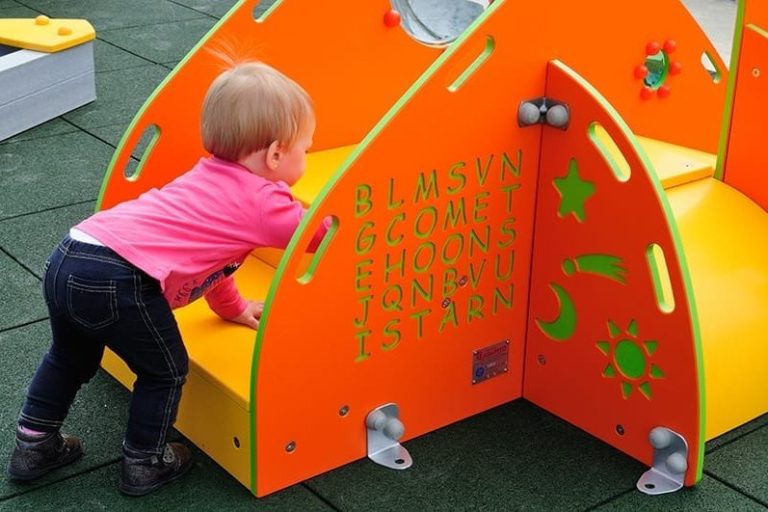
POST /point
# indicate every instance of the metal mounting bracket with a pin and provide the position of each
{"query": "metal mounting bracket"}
(543, 110)
(670, 462)
(384, 430)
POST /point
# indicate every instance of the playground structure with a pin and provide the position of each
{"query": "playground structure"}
(605, 263)
(46, 69)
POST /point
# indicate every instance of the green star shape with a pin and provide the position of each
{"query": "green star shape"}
(574, 192)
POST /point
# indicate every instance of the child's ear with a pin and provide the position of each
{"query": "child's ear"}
(273, 155)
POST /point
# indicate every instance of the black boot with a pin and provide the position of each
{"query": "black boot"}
(34, 456)
(143, 474)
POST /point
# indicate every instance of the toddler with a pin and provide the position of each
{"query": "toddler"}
(115, 279)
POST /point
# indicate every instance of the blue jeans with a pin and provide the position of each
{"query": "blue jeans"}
(95, 299)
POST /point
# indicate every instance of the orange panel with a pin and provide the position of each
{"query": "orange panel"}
(352, 65)
(604, 350)
(746, 159)
(429, 264)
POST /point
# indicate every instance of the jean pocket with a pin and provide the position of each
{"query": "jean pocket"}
(92, 304)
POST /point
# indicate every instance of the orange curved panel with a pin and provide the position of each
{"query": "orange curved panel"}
(746, 159)
(612, 345)
(351, 64)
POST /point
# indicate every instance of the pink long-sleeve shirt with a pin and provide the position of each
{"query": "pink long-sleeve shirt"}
(193, 233)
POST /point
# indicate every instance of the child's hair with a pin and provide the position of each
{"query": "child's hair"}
(250, 106)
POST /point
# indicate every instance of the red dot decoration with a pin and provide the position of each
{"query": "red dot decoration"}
(652, 48)
(664, 91)
(646, 93)
(641, 72)
(392, 18)
(670, 45)
(675, 68)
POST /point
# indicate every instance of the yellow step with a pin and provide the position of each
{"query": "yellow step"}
(725, 241)
(677, 165)
(44, 34)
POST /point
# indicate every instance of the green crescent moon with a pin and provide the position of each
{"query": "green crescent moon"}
(562, 327)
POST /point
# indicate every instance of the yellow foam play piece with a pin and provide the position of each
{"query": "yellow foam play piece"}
(677, 165)
(44, 34)
(219, 351)
(726, 248)
(674, 165)
(321, 166)
(219, 379)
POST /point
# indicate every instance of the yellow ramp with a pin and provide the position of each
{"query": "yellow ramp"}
(725, 238)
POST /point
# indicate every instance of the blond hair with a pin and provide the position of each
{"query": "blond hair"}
(250, 106)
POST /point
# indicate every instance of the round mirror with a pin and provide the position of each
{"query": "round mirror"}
(438, 22)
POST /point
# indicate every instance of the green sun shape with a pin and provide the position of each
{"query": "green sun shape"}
(630, 359)
(574, 192)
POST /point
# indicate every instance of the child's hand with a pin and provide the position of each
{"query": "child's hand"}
(251, 315)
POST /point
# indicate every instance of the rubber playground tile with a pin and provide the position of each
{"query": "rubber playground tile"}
(14, 10)
(206, 488)
(57, 171)
(160, 43)
(109, 57)
(31, 238)
(56, 126)
(516, 455)
(7, 4)
(20, 295)
(109, 14)
(114, 134)
(97, 416)
(119, 95)
(743, 464)
(708, 496)
(217, 8)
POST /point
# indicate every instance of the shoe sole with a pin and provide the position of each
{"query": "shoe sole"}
(134, 490)
(28, 477)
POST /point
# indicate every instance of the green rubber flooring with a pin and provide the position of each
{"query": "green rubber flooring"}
(514, 457)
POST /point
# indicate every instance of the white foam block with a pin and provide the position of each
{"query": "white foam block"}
(36, 87)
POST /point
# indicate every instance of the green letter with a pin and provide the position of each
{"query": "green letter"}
(507, 228)
(455, 174)
(391, 333)
(392, 304)
(394, 241)
(363, 355)
(423, 190)
(420, 269)
(389, 267)
(364, 243)
(425, 234)
(459, 237)
(364, 301)
(359, 276)
(480, 206)
(475, 307)
(449, 316)
(506, 164)
(418, 316)
(390, 193)
(508, 190)
(499, 297)
(453, 213)
(363, 203)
